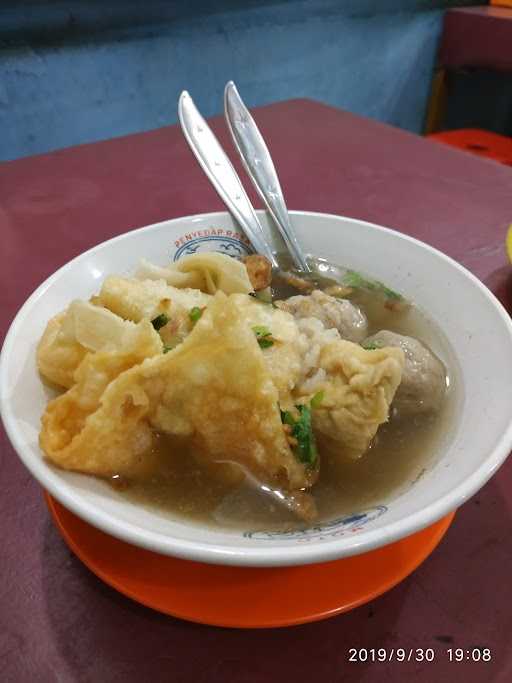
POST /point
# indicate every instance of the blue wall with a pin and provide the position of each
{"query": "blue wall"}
(73, 72)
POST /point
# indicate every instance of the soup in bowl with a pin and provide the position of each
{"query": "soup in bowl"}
(169, 389)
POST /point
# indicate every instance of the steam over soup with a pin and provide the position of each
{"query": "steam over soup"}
(211, 391)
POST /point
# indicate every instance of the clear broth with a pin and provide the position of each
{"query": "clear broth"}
(399, 455)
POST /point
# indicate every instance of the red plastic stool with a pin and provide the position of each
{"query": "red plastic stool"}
(490, 145)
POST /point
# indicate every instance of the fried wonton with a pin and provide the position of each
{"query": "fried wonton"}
(136, 300)
(146, 299)
(208, 271)
(58, 357)
(357, 391)
(213, 390)
(283, 357)
(85, 328)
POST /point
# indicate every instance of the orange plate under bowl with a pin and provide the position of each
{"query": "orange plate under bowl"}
(244, 597)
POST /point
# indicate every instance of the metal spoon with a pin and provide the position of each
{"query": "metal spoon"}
(222, 175)
(224, 178)
(260, 169)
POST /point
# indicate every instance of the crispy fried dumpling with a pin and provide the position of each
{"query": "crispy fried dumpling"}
(208, 271)
(57, 357)
(146, 299)
(357, 391)
(213, 390)
(74, 437)
(223, 395)
(283, 357)
(98, 329)
(136, 300)
(85, 328)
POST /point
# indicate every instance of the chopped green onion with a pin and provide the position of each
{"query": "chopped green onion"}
(302, 432)
(391, 294)
(354, 279)
(167, 348)
(195, 313)
(160, 321)
(317, 399)
(370, 346)
(287, 418)
(261, 331)
(263, 336)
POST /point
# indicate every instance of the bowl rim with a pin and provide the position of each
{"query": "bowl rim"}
(216, 553)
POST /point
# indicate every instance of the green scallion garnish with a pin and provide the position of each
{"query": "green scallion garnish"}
(195, 313)
(160, 321)
(317, 399)
(302, 431)
(263, 336)
(354, 279)
(370, 346)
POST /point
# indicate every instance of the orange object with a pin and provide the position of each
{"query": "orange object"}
(481, 142)
(502, 3)
(244, 597)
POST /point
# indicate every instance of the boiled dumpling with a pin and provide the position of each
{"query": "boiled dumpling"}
(208, 271)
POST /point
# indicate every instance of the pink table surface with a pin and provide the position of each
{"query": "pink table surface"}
(57, 621)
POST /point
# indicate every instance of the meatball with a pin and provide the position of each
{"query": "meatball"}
(423, 384)
(340, 314)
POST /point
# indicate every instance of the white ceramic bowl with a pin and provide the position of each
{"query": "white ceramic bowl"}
(475, 325)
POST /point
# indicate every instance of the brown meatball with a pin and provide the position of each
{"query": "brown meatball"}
(340, 314)
(423, 384)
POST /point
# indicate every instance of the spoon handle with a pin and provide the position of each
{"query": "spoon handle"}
(221, 174)
(260, 168)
